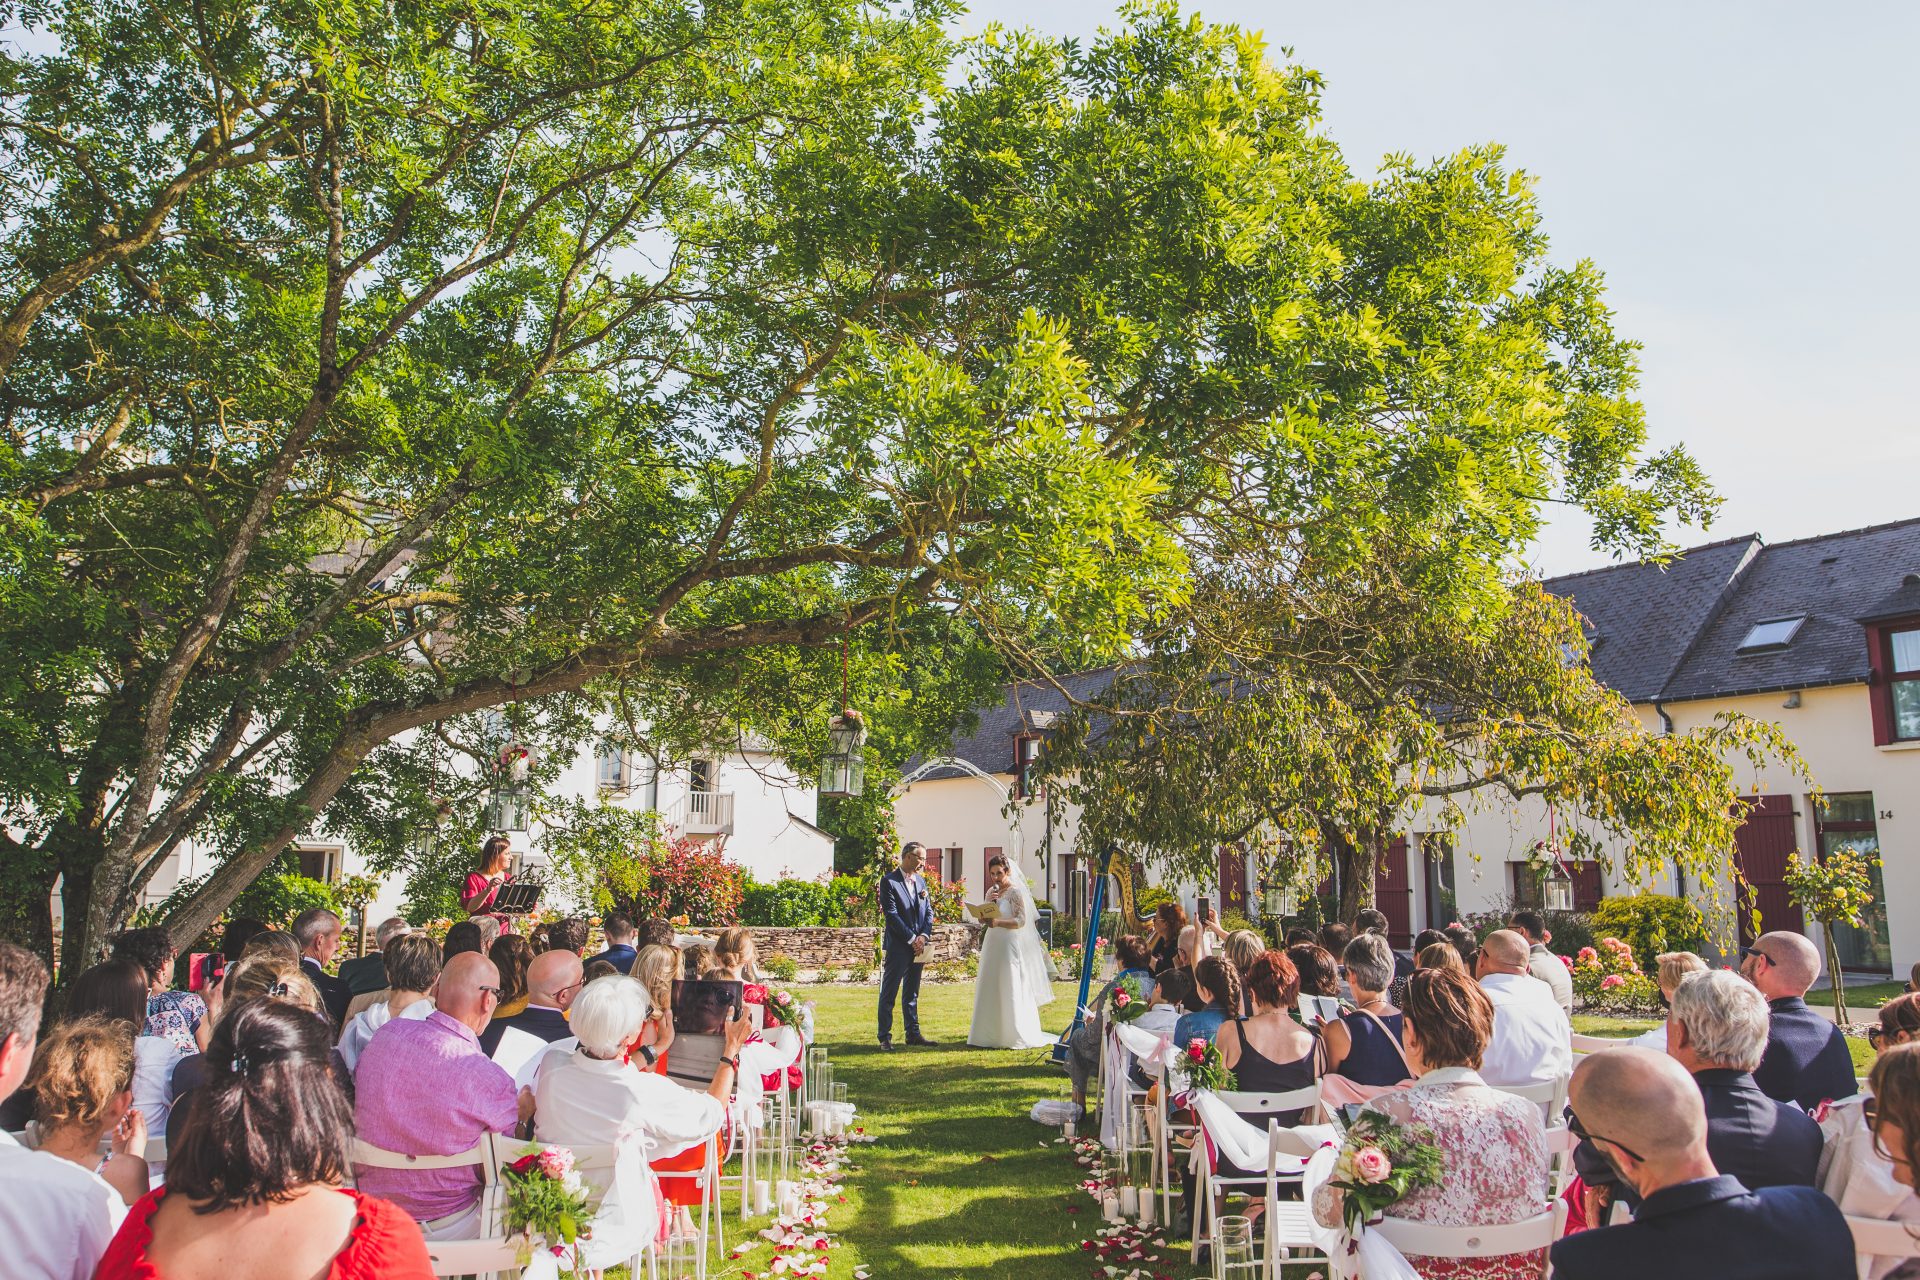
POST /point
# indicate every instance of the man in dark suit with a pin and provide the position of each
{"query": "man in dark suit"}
(908, 914)
(318, 933)
(1806, 1062)
(1717, 1030)
(1646, 1117)
(368, 973)
(553, 980)
(620, 952)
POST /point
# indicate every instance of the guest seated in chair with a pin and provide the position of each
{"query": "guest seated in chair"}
(1083, 1046)
(596, 1096)
(424, 1088)
(413, 966)
(1807, 1061)
(1858, 1171)
(1494, 1143)
(1645, 1115)
(1363, 1044)
(554, 979)
(1717, 1031)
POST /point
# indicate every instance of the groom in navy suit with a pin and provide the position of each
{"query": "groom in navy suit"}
(908, 913)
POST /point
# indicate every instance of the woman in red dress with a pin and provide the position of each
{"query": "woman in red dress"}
(255, 1186)
(484, 885)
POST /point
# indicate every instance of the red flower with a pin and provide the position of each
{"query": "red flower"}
(1197, 1049)
(524, 1163)
(754, 993)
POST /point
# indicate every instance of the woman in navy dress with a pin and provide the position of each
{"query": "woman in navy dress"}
(1363, 1044)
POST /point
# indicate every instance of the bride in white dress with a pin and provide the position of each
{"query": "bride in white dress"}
(1015, 978)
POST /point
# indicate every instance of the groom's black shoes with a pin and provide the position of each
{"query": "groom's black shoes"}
(921, 1041)
(886, 1046)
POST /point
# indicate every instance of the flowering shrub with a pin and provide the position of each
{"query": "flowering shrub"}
(1837, 889)
(690, 878)
(949, 900)
(1606, 977)
(1651, 923)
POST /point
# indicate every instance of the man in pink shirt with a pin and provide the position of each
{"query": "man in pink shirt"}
(424, 1088)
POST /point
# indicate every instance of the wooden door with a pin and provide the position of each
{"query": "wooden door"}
(1761, 847)
(1587, 888)
(1233, 879)
(1393, 892)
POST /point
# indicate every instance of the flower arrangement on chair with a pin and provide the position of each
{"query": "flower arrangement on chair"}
(1205, 1068)
(1380, 1162)
(546, 1203)
(1127, 1002)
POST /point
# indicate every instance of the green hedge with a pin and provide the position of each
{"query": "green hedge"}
(1651, 923)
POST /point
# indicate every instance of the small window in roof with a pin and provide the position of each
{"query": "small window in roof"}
(1773, 633)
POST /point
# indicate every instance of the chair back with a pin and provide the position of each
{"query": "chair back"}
(482, 1153)
(156, 1150)
(1883, 1238)
(1596, 1044)
(1432, 1241)
(1551, 1094)
(1261, 1104)
(473, 1257)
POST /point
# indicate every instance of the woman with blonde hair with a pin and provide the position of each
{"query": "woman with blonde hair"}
(732, 957)
(262, 975)
(654, 969)
(1673, 966)
(62, 1203)
(1439, 955)
(1243, 947)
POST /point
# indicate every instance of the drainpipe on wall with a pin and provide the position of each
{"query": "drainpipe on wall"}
(1666, 721)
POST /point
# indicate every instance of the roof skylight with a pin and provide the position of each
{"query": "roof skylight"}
(1773, 633)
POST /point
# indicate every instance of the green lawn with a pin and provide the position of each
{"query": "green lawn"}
(1588, 1025)
(1862, 1001)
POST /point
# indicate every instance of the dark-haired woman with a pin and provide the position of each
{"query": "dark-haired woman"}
(1216, 998)
(483, 885)
(180, 1016)
(1493, 1143)
(1163, 940)
(117, 991)
(255, 1186)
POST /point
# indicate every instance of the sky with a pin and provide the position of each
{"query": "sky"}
(1744, 173)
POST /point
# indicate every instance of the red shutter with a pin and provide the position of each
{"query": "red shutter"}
(1879, 688)
(1586, 886)
(1393, 892)
(1233, 879)
(1761, 847)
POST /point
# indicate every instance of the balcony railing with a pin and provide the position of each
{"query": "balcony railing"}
(702, 813)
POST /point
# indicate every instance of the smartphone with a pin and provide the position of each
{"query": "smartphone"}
(702, 1007)
(1203, 911)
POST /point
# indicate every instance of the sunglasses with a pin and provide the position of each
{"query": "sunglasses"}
(1579, 1130)
(1747, 953)
(492, 991)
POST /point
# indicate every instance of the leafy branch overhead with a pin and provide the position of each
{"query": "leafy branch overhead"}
(363, 376)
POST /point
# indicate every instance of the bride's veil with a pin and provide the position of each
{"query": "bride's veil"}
(1028, 951)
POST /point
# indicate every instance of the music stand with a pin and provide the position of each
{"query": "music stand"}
(517, 897)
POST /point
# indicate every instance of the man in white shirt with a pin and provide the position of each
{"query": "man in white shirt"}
(55, 1216)
(1532, 1039)
(1542, 963)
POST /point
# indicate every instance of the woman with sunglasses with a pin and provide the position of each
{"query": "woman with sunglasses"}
(1866, 1167)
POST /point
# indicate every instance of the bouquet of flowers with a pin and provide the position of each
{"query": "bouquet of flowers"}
(1379, 1163)
(1205, 1069)
(1127, 1001)
(782, 1009)
(547, 1202)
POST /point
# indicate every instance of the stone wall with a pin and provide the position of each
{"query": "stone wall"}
(818, 948)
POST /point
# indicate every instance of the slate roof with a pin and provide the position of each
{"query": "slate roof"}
(1674, 633)
(989, 748)
(1642, 618)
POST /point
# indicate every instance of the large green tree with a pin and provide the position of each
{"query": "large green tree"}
(368, 368)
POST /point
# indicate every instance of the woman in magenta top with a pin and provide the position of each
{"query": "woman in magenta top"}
(254, 1186)
(483, 885)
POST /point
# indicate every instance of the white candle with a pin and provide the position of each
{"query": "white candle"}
(1110, 1207)
(1067, 1130)
(1146, 1207)
(762, 1196)
(1129, 1202)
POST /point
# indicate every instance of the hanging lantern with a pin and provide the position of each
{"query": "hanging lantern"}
(509, 806)
(843, 772)
(1559, 895)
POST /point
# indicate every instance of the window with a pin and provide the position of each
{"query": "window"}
(1903, 679)
(1774, 633)
(1026, 753)
(1848, 823)
(700, 775)
(615, 768)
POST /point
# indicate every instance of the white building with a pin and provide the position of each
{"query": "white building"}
(1819, 635)
(749, 801)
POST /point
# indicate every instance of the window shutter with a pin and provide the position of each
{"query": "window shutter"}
(1587, 889)
(1879, 688)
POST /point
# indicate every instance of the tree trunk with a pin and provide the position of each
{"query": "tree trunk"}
(1834, 978)
(1356, 860)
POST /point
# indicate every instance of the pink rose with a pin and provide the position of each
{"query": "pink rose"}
(1121, 999)
(1197, 1049)
(1370, 1164)
(1588, 953)
(556, 1162)
(1567, 961)
(1612, 980)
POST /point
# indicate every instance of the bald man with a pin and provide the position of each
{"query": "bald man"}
(1806, 1062)
(553, 980)
(1532, 1040)
(424, 1088)
(1643, 1113)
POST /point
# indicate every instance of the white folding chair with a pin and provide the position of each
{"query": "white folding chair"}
(1884, 1238)
(1211, 1183)
(1289, 1224)
(482, 1153)
(1560, 1145)
(1596, 1044)
(1550, 1094)
(587, 1159)
(1165, 1131)
(712, 1220)
(473, 1257)
(1430, 1241)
